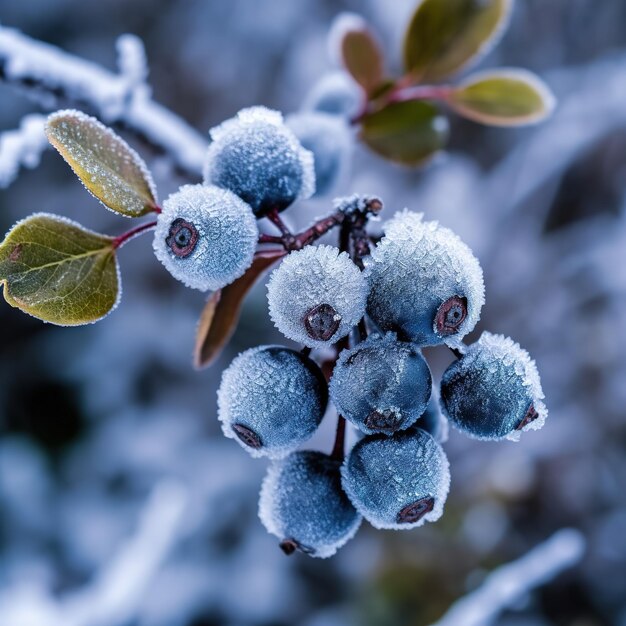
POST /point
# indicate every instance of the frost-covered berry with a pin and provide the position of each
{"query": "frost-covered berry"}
(257, 157)
(425, 283)
(205, 236)
(397, 482)
(382, 385)
(303, 504)
(271, 400)
(316, 296)
(493, 391)
(335, 93)
(330, 140)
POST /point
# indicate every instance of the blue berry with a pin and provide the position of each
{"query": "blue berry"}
(335, 93)
(271, 400)
(425, 283)
(316, 296)
(493, 391)
(397, 482)
(381, 385)
(205, 236)
(303, 504)
(330, 140)
(258, 158)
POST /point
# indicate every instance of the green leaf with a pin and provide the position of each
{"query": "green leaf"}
(444, 36)
(406, 132)
(360, 53)
(110, 169)
(59, 272)
(503, 98)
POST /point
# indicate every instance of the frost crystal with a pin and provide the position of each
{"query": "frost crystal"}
(271, 400)
(316, 286)
(222, 234)
(356, 203)
(334, 93)
(330, 140)
(257, 157)
(415, 269)
(397, 482)
(490, 391)
(302, 504)
(381, 385)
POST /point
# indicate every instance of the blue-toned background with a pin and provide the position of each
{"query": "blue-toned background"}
(121, 504)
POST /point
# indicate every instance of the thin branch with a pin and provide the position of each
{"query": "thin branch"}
(118, 242)
(55, 78)
(506, 585)
(22, 147)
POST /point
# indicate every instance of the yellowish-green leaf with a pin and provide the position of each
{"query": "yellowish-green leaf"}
(444, 36)
(59, 272)
(503, 98)
(406, 132)
(359, 50)
(110, 169)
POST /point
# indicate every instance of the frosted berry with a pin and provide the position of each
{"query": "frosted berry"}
(425, 283)
(258, 158)
(382, 385)
(330, 140)
(493, 391)
(316, 296)
(271, 400)
(397, 482)
(303, 504)
(205, 236)
(335, 93)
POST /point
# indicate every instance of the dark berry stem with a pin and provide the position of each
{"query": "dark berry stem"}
(274, 217)
(127, 236)
(340, 439)
(292, 242)
(306, 351)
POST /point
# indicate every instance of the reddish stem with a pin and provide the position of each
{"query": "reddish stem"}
(421, 92)
(290, 241)
(403, 92)
(127, 236)
(274, 217)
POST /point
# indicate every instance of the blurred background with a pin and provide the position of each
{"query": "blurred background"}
(121, 504)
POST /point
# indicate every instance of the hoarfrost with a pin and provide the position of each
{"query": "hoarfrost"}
(310, 278)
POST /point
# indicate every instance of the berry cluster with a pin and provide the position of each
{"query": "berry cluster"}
(368, 309)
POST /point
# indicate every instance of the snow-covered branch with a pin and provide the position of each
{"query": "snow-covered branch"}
(22, 147)
(57, 79)
(510, 583)
(114, 595)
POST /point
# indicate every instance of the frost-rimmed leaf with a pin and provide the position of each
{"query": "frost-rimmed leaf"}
(59, 272)
(508, 97)
(406, 132)
(359, 50)
(220, 315)
(108, 167)
(444, 36)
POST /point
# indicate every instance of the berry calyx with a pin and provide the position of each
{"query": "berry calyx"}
(182, 237)
(322, 322)
(450, 315)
